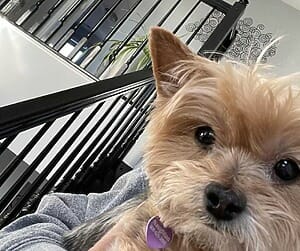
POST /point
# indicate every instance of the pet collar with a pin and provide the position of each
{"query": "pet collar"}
(158, 236)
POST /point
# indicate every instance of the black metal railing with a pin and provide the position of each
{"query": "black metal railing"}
(78, 137)
(82, 31)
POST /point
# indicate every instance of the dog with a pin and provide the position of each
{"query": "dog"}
(222, 159)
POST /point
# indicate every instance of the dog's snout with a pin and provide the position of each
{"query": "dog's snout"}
(223, 203)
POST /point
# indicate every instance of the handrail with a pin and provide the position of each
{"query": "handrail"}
(27, 114)
(223, 30)
(219, 5)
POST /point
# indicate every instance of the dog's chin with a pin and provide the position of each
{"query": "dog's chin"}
(213, 236)
(222, 229)
(236, 234)
(214, 228)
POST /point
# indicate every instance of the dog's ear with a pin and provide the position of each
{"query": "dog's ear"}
(166, 50)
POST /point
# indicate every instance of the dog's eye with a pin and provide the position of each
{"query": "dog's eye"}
(205, 135)
(286, 169)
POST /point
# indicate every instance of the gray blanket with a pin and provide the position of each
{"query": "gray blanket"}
(58, 213)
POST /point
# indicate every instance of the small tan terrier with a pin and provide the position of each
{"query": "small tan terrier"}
(222, 161)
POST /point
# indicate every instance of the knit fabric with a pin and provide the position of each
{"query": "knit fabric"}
(58, 213)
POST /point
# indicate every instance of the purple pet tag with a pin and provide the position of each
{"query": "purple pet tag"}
(158, 236)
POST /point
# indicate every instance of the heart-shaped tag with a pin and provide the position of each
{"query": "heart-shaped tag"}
(158, 236)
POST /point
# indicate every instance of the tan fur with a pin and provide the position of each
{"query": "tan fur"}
(256, 119)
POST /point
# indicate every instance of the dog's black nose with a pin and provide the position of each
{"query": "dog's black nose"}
(224, 203)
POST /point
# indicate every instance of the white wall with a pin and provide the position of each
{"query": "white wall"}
(279, 19)
(29, 70)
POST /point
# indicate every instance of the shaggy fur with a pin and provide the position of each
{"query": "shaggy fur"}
(256, 120)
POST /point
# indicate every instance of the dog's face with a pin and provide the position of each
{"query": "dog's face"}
(223, 150)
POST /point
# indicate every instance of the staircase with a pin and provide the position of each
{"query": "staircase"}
(78, 139)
